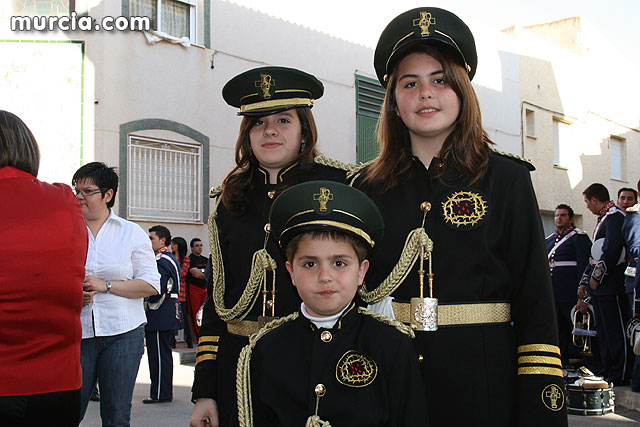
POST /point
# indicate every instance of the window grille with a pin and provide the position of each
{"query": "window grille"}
(369, 100)
(164, 180)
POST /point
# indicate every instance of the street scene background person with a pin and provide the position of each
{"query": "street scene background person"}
(179, 250)
(120, 271)
(568, 251)
(276, 148)
(163, 318)
(463, 227)
(603, 283)
(41, 273)
(196, 284)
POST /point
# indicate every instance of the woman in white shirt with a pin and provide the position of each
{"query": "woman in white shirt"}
(120, 271)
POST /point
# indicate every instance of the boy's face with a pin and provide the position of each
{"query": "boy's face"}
(326, 273)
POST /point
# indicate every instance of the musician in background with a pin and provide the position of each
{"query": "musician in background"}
(568, 251)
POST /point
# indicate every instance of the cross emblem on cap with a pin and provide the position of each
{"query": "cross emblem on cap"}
(265, 83)
(424, 22)
(323, 197)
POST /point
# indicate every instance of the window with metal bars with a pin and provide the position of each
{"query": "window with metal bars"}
(369, 99)
(164, 180)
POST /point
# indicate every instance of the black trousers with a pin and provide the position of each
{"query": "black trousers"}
(611, 318)
(52, 409)
(160, 364)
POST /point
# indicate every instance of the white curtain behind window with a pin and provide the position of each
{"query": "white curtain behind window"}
(145, 8)
(175, 18)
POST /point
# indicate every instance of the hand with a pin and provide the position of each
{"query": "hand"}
(593, 283)
(87, 297)
(205, 413)
(582, 291)
(92, 283)
(582, 306)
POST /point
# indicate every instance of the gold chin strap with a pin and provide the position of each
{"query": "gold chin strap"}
(260, 264)
(417, 245)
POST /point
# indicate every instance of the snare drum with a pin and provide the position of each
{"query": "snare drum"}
(590, 402)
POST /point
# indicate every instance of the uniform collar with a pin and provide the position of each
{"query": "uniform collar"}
(346, 316)
(606, 208)
(569, 229)
(264, 174)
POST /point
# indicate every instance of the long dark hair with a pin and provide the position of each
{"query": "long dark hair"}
(182, 247)
(467, 147)
(237, 183)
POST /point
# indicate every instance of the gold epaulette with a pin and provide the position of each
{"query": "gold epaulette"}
(215, 191)
(357, 170)
(526, 162)
(580, 231)
(327, 161)
(405, 329)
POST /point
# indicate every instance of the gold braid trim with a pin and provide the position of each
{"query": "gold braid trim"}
(327, 161)
(405, 329)
(260, 263)
(243, 376)
(315, 421)
(416, 240)
(353, 174)
(215, 191)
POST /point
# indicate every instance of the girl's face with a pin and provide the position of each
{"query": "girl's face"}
(426, 104)
(275, 139)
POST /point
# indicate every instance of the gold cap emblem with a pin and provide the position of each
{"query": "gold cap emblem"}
(424, 22)
(323, 197)
(265, 83)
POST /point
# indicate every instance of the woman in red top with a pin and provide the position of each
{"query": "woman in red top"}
(41, 273)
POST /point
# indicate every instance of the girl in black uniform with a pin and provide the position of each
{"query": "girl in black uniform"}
(248, 284)
(462, 228)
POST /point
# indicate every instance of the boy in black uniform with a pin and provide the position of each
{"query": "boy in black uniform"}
(330, 362)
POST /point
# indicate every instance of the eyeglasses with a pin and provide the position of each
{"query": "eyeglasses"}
(87, 193)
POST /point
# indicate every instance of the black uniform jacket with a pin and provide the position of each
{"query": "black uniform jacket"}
(240, 237)
(607, 255)
(168, 315)
(488, 246)
(368, 368)
(567, 262)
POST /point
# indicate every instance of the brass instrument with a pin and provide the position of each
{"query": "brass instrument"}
(582, 332)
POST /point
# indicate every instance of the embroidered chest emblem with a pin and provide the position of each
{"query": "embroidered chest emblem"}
(553, 397)
(265, 83)
(464, 210)
(356, 369)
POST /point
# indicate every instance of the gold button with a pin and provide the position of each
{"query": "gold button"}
(267, 228)
(320, 390)
(420, 358)
(425, 206)
(326, 336)
(271, 194)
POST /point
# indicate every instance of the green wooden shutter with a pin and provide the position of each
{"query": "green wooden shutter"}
(369, 99)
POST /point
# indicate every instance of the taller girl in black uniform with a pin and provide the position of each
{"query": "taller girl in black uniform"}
(249, 284)
(466, 219)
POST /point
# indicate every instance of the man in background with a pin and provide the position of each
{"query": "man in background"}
(196, 282)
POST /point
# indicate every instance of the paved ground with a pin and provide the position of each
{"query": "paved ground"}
(178, 412)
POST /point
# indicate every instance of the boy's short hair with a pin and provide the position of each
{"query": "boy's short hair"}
(193, 241)
(358, 245)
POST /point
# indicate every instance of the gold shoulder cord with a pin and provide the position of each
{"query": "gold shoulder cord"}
(327, 161)
(417, 243)
(392, 322)
(243, 377)
(260, 264)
